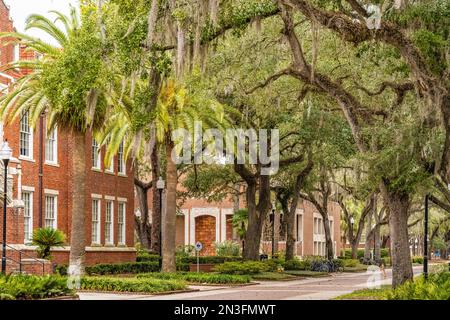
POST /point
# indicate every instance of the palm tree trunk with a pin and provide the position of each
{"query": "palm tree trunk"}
(78, 225)
(169, 218)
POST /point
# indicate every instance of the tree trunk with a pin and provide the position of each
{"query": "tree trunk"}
(328, 240)
(290, 235)
(169, 218)
(254, 229)
(398, 204)
(367, 247)
(156, 203)
(142, 225)
(78, 223)
(354, 245)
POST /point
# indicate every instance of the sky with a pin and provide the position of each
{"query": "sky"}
(21, 9)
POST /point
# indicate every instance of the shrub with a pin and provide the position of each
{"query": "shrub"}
(247, 267)
(45, 239)
(228, 248)
(185, 251)
(211, 278)
(384, 252)
(33, 287)
(350, 263)
(274, 265)
(147, 257)
(296, 264)
(417, 259)
(207, 260)
(123, 268)
(437, 287)
(131, 284)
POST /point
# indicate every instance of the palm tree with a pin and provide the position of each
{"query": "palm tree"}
(42, 89)
(176, 108)
(45, 239)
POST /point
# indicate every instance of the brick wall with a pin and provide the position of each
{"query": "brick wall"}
(205, 232)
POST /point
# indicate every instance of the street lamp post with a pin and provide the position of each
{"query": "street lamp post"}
(352, 223)
(425, 239)
(5, 156)
(160, 184)
(273, 230)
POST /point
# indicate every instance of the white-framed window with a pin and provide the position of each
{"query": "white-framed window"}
(331, 229)
(299, 229)
(96, 221)
(319, 248)
(109, 226)
(318, 226)
(121, 164)
(96, 155)
(121, 214)
(51, 211)
(27, 198)
(16, 54)
(26, 136)
(51, 147)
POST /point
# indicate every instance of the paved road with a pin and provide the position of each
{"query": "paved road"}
(306, 289)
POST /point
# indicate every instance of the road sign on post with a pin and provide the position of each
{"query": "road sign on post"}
(198, 248)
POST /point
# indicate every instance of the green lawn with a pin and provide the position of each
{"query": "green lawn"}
(366, 294)
(359, 268)
(273, 276)
(306, 273)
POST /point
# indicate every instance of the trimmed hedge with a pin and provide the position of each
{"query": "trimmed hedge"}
(123, 268)
(147, 285)
(33, 287)
(147, 257)
(207, 260)
(210, 278)
(247, 267)
(384, 252)
(115, 268)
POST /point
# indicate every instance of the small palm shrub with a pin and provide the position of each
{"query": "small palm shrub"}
(147, 285)
(437, 287)
(228, 249)
(45, 239)
(32, 287)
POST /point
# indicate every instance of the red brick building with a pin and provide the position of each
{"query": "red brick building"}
(211, 223)
(41, 182)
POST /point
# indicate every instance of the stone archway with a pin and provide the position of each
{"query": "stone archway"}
(205, 232)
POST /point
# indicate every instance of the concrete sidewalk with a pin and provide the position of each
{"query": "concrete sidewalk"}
(306, 289)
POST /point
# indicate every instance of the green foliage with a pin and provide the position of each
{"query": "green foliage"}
(147, 257)
(185, 251)
(350, 263)
(417, 259)
(45, 239)
(192, 277)
(297, 264)
(228, 249)
(33, 287)
(247, 267)
(384, 252)
(123, 268)
(208, 259)
(437, 287)
(146, 285)
(240, 222)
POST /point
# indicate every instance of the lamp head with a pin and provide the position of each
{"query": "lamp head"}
(160, 184)
(5, 152)
(352, 220)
